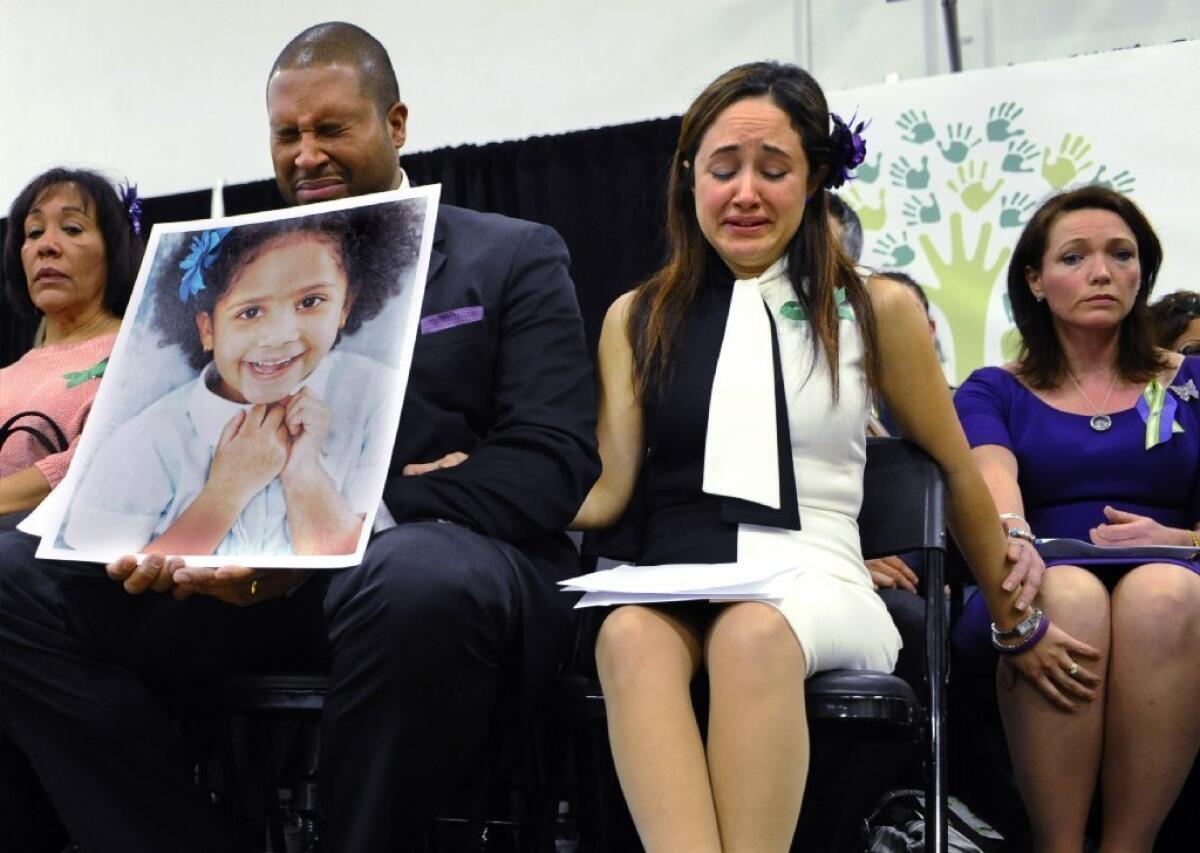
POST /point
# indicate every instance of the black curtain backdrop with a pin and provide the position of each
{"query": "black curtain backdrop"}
(603, 190)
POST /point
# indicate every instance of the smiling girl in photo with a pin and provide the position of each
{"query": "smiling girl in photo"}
(271, 449)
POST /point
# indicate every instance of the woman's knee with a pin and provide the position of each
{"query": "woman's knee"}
(1157, 607)
(753, 643)
(635, 642)
(1075, 598)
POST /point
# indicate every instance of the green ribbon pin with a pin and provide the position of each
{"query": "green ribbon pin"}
(1155, 406)
(793, 310)
(81, 376)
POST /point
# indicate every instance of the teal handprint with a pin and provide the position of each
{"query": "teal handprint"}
(901, 254)
(919, 127)
(872, 218)
(999, 119)
(972, 191)
(1121, 182)
(1013, 208)
(1064, 170)
(1019, 153)
(908, 176)
(965, 291)
(868, 173)
(959, 136)
(916, 213)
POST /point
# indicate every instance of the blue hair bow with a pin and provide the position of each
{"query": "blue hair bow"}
(202, 256)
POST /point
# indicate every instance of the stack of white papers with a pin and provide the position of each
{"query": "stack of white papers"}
(682, 582)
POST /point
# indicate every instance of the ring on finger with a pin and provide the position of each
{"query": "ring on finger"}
(1074, 670)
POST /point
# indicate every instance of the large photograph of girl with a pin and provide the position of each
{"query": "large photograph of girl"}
(251, 402)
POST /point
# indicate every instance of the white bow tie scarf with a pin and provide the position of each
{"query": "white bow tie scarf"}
(741, 451)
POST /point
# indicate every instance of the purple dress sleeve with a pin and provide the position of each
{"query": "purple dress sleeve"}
(984, 404)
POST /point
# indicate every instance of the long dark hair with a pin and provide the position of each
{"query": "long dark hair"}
(662, 301)
(122, 246)
(1042, 363)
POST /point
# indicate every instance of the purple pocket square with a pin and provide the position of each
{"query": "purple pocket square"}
(450, 319)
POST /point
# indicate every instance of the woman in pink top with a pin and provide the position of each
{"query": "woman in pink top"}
(71, 256)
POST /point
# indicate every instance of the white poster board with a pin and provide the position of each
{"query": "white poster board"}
(251, 402)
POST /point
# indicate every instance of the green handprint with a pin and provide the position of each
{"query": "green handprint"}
(920, 127)
(974, 196)
(965, 291)
(905, 175)
(868, 173)
(916, 213)
(960, 146)
(1012, 209)
(1018, 155)
(999, 119)
(901, 253)
(872, 218)
(1121, 182)
(1064, 170)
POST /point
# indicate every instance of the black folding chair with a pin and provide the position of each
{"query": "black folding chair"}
(243, 716)
(903, 511)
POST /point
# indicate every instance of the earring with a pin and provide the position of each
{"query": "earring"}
(1039, 297)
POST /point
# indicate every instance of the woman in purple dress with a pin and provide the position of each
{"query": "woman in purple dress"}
(1094, 434)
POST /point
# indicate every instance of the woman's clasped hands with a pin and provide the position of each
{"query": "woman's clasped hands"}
(1053, 664)
(1024, 579)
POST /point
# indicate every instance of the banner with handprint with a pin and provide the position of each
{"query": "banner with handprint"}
(956, 164)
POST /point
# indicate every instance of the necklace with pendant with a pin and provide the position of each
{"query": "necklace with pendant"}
(1100, 422)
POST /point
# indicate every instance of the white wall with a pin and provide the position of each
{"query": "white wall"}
(848, 43)
(171, 93)
(180, 104)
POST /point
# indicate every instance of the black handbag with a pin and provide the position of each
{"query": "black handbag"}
(55, 442)
(897, 825)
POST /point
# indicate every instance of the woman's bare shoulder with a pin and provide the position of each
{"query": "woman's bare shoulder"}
(619, 309)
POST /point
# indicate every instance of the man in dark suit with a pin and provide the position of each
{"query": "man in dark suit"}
(451, 619)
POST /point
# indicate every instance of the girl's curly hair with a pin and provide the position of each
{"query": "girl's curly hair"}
(373, 245)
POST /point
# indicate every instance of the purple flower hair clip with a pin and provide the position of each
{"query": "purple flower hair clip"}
(204, 252)
(133, 205)
(849, 149)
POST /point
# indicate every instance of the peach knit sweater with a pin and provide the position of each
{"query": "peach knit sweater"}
(39, 382)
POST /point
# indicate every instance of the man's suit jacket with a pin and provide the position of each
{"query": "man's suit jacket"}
(507, 381)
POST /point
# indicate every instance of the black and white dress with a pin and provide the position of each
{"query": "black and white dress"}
(711, 495)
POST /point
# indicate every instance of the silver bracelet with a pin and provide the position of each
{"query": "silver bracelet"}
(1019, 631)
(1017, 533)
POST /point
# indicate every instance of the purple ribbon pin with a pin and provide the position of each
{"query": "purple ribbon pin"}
(1166, 416)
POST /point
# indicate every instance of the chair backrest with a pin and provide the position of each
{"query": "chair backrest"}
(904, 499)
